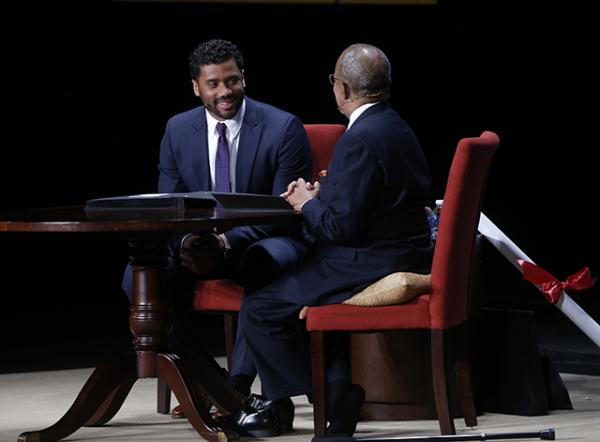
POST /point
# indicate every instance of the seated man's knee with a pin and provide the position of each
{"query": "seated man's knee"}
(258, 268)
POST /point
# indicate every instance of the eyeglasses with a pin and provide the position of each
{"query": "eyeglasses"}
(332, 79)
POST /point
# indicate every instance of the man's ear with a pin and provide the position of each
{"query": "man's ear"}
(196, 88)
(347, 92)
(243, 80)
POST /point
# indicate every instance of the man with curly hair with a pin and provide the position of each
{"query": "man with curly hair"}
(230, 143)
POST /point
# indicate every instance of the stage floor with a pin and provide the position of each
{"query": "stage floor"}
(32, 401)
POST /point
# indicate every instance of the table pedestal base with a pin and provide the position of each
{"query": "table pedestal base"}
(107, 388)
(195, 382)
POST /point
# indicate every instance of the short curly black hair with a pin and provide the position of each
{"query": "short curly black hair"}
(214, 51)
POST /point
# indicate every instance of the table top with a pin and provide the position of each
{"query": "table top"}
(76, 219)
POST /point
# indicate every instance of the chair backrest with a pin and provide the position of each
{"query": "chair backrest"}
(322, 139)
(459, 218)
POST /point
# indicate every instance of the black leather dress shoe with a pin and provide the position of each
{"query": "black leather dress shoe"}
(343, 407)
(248, 421)
(282, 408)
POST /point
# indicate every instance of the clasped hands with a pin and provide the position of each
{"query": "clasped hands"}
(201, 254)
(300, 191)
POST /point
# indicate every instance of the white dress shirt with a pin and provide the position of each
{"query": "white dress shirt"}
(358, 112)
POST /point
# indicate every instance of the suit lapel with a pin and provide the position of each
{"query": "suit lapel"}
(252, 128)
(199, 164)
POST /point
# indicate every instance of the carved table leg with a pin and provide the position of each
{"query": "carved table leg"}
(113, 375)
(172, 369)
(211, 383)
(111, 405)
(150, 317)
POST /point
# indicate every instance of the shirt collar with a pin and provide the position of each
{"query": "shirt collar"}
(234, 125)
(358, 112)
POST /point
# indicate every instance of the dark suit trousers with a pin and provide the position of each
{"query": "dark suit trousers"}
(258, 267)
(278, 345)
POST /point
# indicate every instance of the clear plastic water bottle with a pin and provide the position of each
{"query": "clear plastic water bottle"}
(432, 218)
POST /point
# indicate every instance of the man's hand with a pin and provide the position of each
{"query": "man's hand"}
(300, 191)
(201, 254)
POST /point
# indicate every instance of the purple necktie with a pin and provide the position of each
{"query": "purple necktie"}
(222, 182)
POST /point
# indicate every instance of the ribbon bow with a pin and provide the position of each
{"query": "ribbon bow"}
(550, 286)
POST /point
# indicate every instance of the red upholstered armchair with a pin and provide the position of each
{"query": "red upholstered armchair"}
(442, 310)
(225, 296)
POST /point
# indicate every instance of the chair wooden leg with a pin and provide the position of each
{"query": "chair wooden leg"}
(440, 384)
(463, 375)
(230, 325)
(163, 397)
(317, 351)
(465, 393)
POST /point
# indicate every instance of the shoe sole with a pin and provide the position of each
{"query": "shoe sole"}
(263, 433)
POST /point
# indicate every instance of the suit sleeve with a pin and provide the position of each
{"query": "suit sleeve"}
(348, 193)
(169, 177)
(294, 160)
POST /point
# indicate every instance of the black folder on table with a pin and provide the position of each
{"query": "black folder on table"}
(161, 201)
(252, 201)
(179, 202)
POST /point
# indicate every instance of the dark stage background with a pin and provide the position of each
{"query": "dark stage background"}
(88, 89)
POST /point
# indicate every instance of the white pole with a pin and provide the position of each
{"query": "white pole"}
(513, 253)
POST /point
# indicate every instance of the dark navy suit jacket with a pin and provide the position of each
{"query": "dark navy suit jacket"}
(273, 150)
(370, 218)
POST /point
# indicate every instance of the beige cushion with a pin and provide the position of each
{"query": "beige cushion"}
(395, 288)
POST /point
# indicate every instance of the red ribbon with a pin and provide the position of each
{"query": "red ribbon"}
(550, 286)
